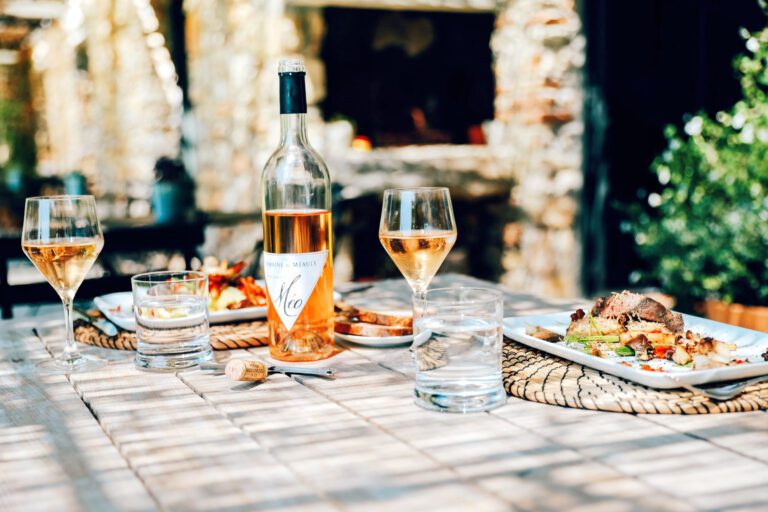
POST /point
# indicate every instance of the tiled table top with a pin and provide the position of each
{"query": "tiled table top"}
(120, 439)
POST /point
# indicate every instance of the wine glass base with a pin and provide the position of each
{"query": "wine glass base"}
(79, 365)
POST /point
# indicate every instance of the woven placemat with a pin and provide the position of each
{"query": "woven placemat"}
(223, 336)
(541, 377)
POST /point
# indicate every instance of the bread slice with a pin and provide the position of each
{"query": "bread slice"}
(393, 318)
(345, 325)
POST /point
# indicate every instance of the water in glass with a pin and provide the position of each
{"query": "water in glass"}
(457, 349)
(171, 311)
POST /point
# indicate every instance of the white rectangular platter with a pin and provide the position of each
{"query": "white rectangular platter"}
(751, 345)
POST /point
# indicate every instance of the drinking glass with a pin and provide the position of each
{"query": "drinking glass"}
(457, 349)
(171, 311)
(418, 230)
(62, 238)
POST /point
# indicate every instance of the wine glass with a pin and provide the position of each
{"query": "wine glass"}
(418, 230)
(62, 237)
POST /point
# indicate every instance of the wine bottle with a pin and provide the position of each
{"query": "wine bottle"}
(298, 261)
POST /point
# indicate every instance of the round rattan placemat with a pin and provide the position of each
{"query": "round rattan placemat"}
(223, 336)
(541, 377)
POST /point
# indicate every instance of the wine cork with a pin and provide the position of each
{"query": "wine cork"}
(247, 370)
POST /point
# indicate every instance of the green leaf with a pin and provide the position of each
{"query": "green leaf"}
(707, 238)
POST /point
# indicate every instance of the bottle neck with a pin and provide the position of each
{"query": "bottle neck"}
(293, 130)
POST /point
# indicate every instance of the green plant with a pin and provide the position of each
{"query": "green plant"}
(706, 232)
(17, 123)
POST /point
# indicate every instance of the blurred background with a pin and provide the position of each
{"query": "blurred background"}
(546, 118)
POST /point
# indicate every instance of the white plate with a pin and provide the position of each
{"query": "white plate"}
(123, 317)
(750, 345)
(371, 341)
(236, 315)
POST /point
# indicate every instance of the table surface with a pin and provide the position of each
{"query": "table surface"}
(120, 439)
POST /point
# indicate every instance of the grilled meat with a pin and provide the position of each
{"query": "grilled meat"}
(578, 315)
(626, 312)
(627, 307)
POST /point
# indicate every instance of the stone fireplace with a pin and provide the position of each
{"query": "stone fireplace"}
(525, 138)
(408, 77)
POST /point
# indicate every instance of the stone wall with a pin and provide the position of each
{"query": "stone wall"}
(114, 115)
(228, 44)
(535, 138)
(234, 48)
(540, 53)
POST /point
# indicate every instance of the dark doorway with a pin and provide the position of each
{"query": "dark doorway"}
(407, 77)
(649, 63)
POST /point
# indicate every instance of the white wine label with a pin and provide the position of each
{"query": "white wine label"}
(290, 278)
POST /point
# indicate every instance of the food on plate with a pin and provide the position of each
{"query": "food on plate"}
(347, 326)
(120, 310)
(544, 334)
(227, 289)
(372, 322)
(629, 324)
(626, 312)
(393, 317)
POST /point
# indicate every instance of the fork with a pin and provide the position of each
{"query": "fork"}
(724, 392)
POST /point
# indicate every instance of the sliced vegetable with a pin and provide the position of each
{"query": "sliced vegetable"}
(681, 357)
(624, 351)
(655, 338)
(578, 338)
(593, 324)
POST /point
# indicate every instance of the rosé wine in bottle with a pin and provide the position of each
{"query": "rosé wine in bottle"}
(298, 235)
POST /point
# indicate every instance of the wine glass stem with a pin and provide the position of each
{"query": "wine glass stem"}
(70, 346)
(419, 295)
